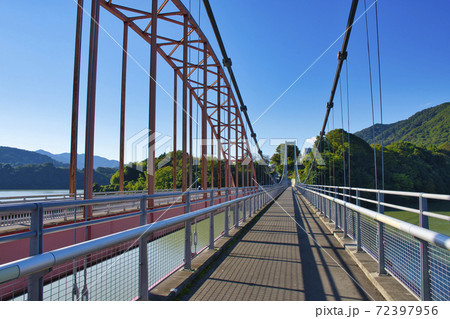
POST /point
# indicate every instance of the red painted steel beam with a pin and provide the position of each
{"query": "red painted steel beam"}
(174, 159)
(90, 104)
(164, 52)
(122, 106)
(75, 100)
(185, 102)
(204, 118)
(152, 104)
(190, 139)
(219, 145)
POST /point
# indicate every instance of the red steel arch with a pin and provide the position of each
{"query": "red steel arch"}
(212, 92)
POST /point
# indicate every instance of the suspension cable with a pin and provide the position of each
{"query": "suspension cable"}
(332, 143)
(348, 123)
(342, 56)
(329, 154)
(342, 124)
(227, 63)
(381, 103)
(371, 99)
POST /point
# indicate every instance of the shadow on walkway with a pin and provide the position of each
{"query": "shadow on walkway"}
(285, 254)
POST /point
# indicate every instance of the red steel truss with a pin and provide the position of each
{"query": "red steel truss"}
(203, 82)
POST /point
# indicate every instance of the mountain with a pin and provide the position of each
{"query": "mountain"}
(17, 157)
(428, 127)
(46, 176)
(65, 158)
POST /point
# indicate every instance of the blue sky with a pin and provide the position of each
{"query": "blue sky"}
(271, 44)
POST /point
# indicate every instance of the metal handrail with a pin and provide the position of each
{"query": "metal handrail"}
(47, 260)
(389, 192)
(43, 197)
(13, 208)
(382, 203)
(111, 199)
(427, 235)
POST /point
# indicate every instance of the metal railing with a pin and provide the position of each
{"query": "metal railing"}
(123, 265)
(415, 255)
(80, 195)
(18, 220)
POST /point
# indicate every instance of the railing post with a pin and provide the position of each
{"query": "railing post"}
(244, 207)
(345, 213)
(261, 197)
(324, 205)
(327, 208)
(339, 210)
(256, 199)
(318, 197)
(227, 219)
(236, 213)
(358, 225)
(143, 255)
(211, 222)
(425, 293)
(187, 234)
(381, 263)
(36, 281)
(315, 199)
(250, 205)
(335, 209)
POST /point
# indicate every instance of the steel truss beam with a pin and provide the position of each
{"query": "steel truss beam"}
(226, 128)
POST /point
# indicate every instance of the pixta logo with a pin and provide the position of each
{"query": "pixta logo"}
(137, 148)
(310, 152)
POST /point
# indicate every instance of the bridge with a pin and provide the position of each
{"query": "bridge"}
(244, 234)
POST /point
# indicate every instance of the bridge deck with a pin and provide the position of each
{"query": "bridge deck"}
(286, 255)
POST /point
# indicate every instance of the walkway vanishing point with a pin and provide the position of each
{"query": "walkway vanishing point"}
(287, 254)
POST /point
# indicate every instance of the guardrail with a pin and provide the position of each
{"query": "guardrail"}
(79, 195)
(124, 265)
(22, 219)
(418, 257)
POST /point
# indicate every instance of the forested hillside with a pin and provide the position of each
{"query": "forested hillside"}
(428, 127)
(408, 167)
(46, 176)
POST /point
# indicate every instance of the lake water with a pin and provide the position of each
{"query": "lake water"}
(34, 192)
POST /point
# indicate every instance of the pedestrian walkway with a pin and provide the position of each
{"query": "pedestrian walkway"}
(288, 254)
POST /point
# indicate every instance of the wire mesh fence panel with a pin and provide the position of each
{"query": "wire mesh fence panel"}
(342, 216)
(200, 234)
(165, 253)
(241, 211)
(14, 290)
(109, 274)
(59, 283)
(402, 257)
(333, 212)
(439, 268)
(219, 223)
(369, 236)
(351, 224)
